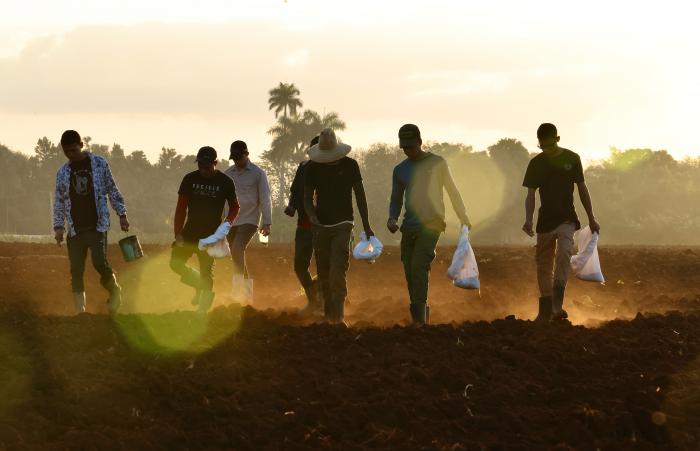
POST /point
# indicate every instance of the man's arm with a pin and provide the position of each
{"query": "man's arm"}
(309, 204)
(233, 209)
(455, 197)
(529, 211)
(295, 203)
(265, 204)
(180, 216)
(115, 198)
(59, 217)
(395, 202)
(588, 206)
(361, 199)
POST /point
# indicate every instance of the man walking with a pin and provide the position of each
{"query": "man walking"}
(83, 185)
(554, 172)
(200, 206)
(331, 178)
(303, 240)
(420, 180)
(253, 193)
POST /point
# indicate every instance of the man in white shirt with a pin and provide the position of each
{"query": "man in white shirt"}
(253, 192)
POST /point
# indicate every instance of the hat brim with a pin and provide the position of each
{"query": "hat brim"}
(328, 156)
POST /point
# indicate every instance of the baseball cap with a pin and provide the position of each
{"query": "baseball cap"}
(409, 135)
(206, 155)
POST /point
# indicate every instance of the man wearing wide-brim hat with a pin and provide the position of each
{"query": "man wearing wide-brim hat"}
(331, 178)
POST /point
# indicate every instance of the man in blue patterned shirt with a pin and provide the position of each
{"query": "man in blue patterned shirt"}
(82, 187)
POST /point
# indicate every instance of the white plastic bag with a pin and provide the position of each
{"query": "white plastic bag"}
(367, 249)
(586, 264)
(220, 249)
(217, 244)
(463, 271)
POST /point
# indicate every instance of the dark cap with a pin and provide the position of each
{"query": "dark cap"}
(409, 135)
(238, 150)
(206, 155)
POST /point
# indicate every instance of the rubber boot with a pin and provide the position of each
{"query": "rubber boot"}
(241, 289)
(545, 313)
(206, 299)
(195, 299)
(329, 309)
(115, 299)
(79, 302)
(558, 312)
(419, 314)
(312, 296)
(340, 313)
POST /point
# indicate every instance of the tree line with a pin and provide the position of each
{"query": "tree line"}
(641, 196)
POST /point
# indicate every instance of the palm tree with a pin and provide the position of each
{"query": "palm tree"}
(283, 97)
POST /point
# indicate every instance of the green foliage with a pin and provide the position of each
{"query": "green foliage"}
(639, 195)
(284, 97)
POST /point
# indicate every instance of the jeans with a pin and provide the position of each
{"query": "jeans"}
(332, 248)
(417, 254)
(238, 239)
(554, 249)
(303, 251)
(199, 280)
(78, 246)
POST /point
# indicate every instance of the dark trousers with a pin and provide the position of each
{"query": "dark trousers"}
(417, 254)
(303, 251)
(238, 239)
(78, 246)
(332, 248)
(199, 280)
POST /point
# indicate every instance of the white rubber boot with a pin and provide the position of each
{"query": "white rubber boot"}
(80, 302)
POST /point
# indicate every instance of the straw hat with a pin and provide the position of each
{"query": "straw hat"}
(328, 148)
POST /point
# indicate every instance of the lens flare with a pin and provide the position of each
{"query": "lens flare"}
(158, 314)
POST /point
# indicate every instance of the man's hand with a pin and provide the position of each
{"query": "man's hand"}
(289, 211)
(265, 230)
(593, 224)
(124, 223)
(369, 232)
(314, 220)
(467, 222)
(179, 239)
(58, 235)
(527, 228)
(393, 225)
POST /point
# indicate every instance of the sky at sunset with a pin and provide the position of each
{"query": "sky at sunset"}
(183, 74)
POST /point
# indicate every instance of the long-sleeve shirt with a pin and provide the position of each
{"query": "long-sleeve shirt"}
(253, 193)
(104, 187)
(296, 198)
(421, 183)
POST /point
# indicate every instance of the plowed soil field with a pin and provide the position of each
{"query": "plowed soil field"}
(625, 374)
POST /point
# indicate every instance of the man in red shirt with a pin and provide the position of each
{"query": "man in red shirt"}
(198, 214)
(304, 239)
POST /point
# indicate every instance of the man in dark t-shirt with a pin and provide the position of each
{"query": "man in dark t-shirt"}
(304, 238)
(330, 179)
(200, 206)
(554, 172)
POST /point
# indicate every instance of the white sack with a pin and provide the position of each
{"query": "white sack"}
(367, 249)
(463, 271)
(586, 264)
(217, 244)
